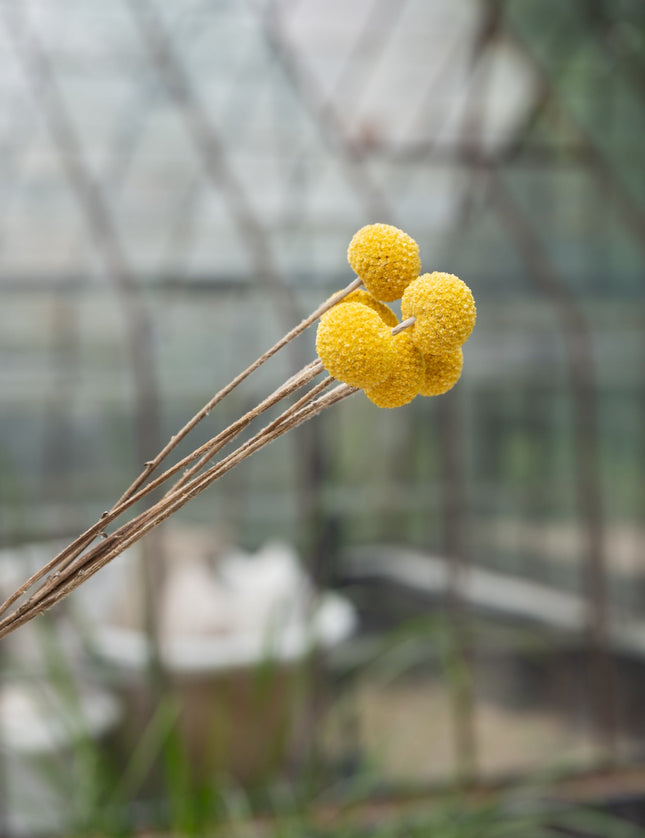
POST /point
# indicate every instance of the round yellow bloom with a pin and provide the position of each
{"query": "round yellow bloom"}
(442, 372)
(385, 258)
(355, 345)
(405, 378)
(366, 299)
(444, 309)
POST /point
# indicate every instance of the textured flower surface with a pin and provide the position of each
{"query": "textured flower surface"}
(442, 372)
(444, 312)
(355, 345)
(385, 258)
(365, 298)
(405, 379)
(355, 340)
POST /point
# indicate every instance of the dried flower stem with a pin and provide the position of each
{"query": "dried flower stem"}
(404, 324)
(67, 570)
(133, 495)
(211, 447)
(86, 565)
(75, 563)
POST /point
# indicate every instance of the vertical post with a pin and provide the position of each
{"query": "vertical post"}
(34, 60)
(581, 373)
(454, 549)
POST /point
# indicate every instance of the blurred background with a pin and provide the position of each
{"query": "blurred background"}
(179, 182)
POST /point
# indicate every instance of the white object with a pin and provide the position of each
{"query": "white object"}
(248, 608)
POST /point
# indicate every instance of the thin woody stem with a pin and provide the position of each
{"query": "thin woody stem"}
(203, 454)
(100, 555)
(73, 550)
(404, 324)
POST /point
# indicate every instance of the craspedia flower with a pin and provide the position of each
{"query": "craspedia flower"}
(385, 258)
(355, 345)
(442, 372)
(366, 299)
(444, 309)
(405, 378)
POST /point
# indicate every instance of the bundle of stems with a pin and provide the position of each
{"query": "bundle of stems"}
(94, 548)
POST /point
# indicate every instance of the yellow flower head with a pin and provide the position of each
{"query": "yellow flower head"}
(355, 345)
(405, 378)
(385, 258)
(441, 372)
(366, 299)
(444, 310)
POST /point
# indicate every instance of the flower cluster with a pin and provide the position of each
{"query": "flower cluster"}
(360, 341)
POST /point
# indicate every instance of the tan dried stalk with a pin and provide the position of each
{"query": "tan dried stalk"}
(73, 550)
(86, 565)
(78, 561)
